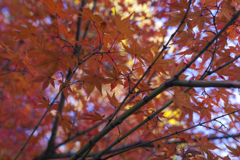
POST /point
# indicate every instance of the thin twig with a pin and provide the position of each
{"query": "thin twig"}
(170, 135)
(171, 101)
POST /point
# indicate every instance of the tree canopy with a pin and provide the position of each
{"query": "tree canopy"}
(119, 79)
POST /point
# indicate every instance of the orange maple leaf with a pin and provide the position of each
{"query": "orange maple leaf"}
(161, 65)
(66, 122)
(182, 99)
(113, 77)
(87, 14)
(228, 109)
(176, 18)
(113, 100)
(227, 10)
(234, 152)
(44, 103)
(205, 145)
(199, 18)
(62, 28)
(56, 8)
(123, 28)
(85, 43)
(186, 38)
(56, 60)
(123, 25)
(94, 117)
(66, 89)
(206, 112)
(46, 78)
(137, 51)
(183, 4)
(16, 59)
(123, 68)
(21, 32)
(176, 68)
(93, 80)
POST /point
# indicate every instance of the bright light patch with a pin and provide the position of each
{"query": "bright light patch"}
(77, 2)
(172, 121)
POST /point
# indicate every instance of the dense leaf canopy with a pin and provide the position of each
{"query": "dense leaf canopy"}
(119, 79)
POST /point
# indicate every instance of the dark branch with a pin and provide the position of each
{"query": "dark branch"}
(125, 148)
(200, 83)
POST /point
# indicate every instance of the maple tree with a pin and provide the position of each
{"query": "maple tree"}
(107, 79)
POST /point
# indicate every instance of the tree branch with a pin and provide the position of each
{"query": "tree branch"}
(45, 113)
(146, 99)
(200, 83)
(77, 135)
(167, 85)
(125, 148)
(181, 131)
(149, 67)
(51, 142)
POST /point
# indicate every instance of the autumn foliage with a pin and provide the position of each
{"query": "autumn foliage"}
(126, 79)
